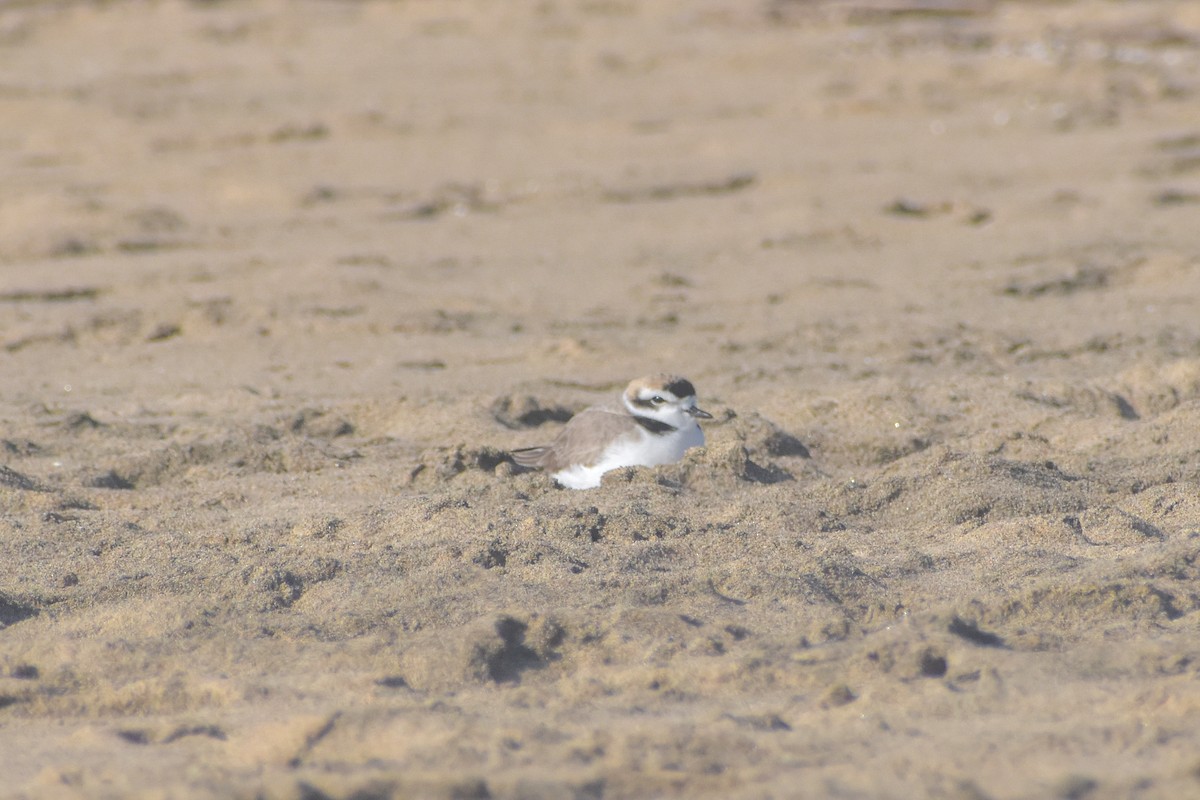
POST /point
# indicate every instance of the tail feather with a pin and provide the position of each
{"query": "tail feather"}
(529, 456)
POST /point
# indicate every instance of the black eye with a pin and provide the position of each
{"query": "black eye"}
(657, 400)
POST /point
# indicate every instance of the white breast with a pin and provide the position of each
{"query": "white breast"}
(646, 450)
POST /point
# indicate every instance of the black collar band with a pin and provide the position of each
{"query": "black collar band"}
(654, 425)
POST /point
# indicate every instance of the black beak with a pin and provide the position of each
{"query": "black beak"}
(699, 413)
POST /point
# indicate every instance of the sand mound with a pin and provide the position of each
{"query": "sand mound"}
(283, 287)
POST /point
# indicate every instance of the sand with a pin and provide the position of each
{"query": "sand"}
(283, 282)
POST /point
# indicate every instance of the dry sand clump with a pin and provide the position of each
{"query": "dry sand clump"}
(282, 285)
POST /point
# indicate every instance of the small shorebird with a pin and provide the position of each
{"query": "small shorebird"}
(655, 423)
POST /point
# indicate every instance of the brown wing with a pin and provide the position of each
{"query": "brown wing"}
(530, 456)
(586, 436)
(582, 441)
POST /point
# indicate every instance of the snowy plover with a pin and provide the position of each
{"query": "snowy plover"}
(654, 423)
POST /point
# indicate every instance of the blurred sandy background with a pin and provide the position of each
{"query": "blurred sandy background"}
(280, 282)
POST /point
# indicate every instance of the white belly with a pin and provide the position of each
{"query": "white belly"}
(647, 450)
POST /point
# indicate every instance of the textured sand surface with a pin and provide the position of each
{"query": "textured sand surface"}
(280, 283)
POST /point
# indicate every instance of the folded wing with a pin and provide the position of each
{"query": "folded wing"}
(583, 441)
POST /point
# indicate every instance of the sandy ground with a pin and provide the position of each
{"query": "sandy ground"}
(282, 282)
